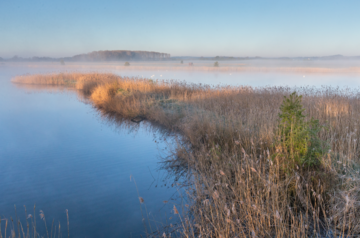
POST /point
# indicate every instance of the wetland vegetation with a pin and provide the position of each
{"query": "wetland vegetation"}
(263, 162)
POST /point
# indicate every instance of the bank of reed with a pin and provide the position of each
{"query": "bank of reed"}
(32, 227)
(229, 136)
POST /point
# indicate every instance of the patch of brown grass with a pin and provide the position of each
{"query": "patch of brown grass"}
(228, 136)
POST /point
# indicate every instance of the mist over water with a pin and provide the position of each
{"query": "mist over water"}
(250, 79)
(59, 153)
(255, 73)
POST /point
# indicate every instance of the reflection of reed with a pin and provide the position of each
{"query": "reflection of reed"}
(42, 87)
(228, 137)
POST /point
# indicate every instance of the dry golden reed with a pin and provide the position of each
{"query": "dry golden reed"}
(32, 229)
(228, 135)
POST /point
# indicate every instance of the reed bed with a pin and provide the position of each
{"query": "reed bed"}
(13, 227)
(228, 142)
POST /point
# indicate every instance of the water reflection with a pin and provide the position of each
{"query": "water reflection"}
(61, 154)
(172, 172)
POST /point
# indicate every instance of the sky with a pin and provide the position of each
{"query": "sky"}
(181, 28)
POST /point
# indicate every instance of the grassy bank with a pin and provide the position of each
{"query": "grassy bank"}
(234, 143)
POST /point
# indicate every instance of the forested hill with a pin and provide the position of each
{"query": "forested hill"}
(114, 55)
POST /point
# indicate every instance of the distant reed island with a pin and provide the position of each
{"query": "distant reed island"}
(263, 162)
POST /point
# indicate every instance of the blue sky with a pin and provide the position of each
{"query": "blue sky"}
(196, 28)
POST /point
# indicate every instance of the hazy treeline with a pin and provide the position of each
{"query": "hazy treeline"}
(127, 55)
(120, 55)
(98, 56)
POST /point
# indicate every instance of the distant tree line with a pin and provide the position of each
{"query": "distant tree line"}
(126, 55)
(108, 55)
(115, 55)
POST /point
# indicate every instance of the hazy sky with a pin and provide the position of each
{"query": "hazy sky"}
(196, 27)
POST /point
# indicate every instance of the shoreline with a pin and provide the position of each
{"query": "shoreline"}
(229, 135)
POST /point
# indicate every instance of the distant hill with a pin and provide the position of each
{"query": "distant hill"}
(115, 55)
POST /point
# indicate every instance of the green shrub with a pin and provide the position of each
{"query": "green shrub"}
(181, 62)
(127, 63)
(299, 143)
(216, 64)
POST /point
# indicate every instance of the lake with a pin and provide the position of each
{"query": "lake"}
(59, 153)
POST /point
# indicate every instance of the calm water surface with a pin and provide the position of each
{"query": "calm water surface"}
(58, 153)
(251, 79)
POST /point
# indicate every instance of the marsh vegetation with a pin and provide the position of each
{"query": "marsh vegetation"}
(31, 227)
(264, 162)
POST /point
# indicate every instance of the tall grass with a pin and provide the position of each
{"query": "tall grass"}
(15, 228)
(228, 141)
